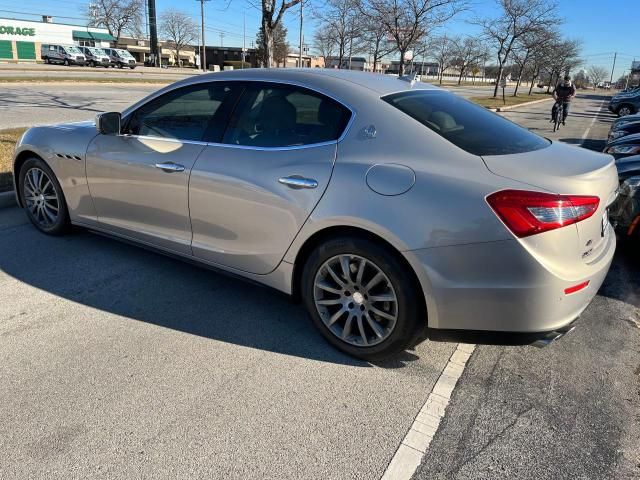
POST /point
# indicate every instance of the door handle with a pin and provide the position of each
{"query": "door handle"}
(170, 167)
(297, 182)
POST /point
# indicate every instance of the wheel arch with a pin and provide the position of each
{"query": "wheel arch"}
(336, 231)
(22, 157)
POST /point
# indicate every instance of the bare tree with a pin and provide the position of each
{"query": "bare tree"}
(377, 42)
(340, 18)
(563, 57)
(408, 22)
(324, 42)
(117, 16)
(596, 74)
(179, 29)
(271, 17)
(467, 52)
(517, 18)
(443, 53)
(526, 48)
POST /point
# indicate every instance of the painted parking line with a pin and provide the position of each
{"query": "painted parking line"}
(417, 440)
(585, 135)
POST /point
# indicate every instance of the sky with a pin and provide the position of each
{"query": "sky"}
(603, 26)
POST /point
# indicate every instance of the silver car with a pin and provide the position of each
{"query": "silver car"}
(387, 206)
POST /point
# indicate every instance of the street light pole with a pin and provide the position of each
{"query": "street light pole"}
(244, 29)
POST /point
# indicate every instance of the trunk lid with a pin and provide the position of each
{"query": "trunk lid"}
(566, 170)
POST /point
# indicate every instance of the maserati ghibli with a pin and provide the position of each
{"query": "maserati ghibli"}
(389, 207)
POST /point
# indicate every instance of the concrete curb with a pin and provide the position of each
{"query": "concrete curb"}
(511, 107)
(7, 199)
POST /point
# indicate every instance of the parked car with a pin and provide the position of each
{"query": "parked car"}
(621, 121)
(121, 58)
(96, 57)
(623, 129)
(625, 211)
(64, 54)
(385, 205)
(625, 104)
(624, 146)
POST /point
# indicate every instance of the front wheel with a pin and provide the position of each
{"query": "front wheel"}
(42, 197)
(362, 298)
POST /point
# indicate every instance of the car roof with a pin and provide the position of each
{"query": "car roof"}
(380, 83)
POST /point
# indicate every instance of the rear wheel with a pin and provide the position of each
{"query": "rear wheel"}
(92, 64)
(42, 197)
(625, 110)
(362, 298)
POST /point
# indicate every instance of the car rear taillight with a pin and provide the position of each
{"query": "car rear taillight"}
(528, 213)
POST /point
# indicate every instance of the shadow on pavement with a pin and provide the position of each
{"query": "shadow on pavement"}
(130, 282)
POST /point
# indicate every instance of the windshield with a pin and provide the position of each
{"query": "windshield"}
(468, 126)
(98, 52)
(124, 54)
(75, 50)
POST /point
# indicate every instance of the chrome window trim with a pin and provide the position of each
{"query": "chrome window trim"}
(165, 139)
(198, 81)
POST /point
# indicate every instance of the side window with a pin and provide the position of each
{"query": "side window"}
(195, 113)
(274, 115)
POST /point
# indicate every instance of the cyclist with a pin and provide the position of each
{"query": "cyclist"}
(563, 92)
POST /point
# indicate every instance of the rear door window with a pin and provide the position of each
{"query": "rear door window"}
(468, 126)
(277, 115)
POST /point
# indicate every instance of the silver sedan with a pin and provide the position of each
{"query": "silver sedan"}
(386, 205)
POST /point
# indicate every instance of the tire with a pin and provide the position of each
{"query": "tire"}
(46, 60)
(624, 110)
(30, 187)
(92, 64)
(120, 65)
(392, 336)
(132, 68)
(66, 63)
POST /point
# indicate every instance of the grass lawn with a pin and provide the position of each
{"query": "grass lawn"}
(497, 102)
(8, 139)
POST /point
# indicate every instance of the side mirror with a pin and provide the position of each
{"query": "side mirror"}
(108, 123)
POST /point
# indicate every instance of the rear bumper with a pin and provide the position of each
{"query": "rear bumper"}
(499, 286)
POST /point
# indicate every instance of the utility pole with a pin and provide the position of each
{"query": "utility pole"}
(203, 53)
(244, 30)
(153, 33)
(300, 53)
(221, 37)
(615, 55)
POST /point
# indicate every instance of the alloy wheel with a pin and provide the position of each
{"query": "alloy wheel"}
(41, 198)
(355, 300)
(624, 111)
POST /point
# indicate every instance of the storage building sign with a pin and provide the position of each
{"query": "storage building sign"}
(9, 30)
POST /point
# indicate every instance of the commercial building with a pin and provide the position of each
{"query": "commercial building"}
(20, 40)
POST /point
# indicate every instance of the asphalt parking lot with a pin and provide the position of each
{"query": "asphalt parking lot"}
(120, 363)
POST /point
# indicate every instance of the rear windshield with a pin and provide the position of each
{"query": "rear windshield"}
(467, 125)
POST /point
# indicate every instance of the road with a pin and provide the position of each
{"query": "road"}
(120, 363)
(23, 104)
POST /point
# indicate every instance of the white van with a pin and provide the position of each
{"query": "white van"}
(65, 54)
(121, 58)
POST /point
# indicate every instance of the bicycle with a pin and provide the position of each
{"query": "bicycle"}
(559, 115)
